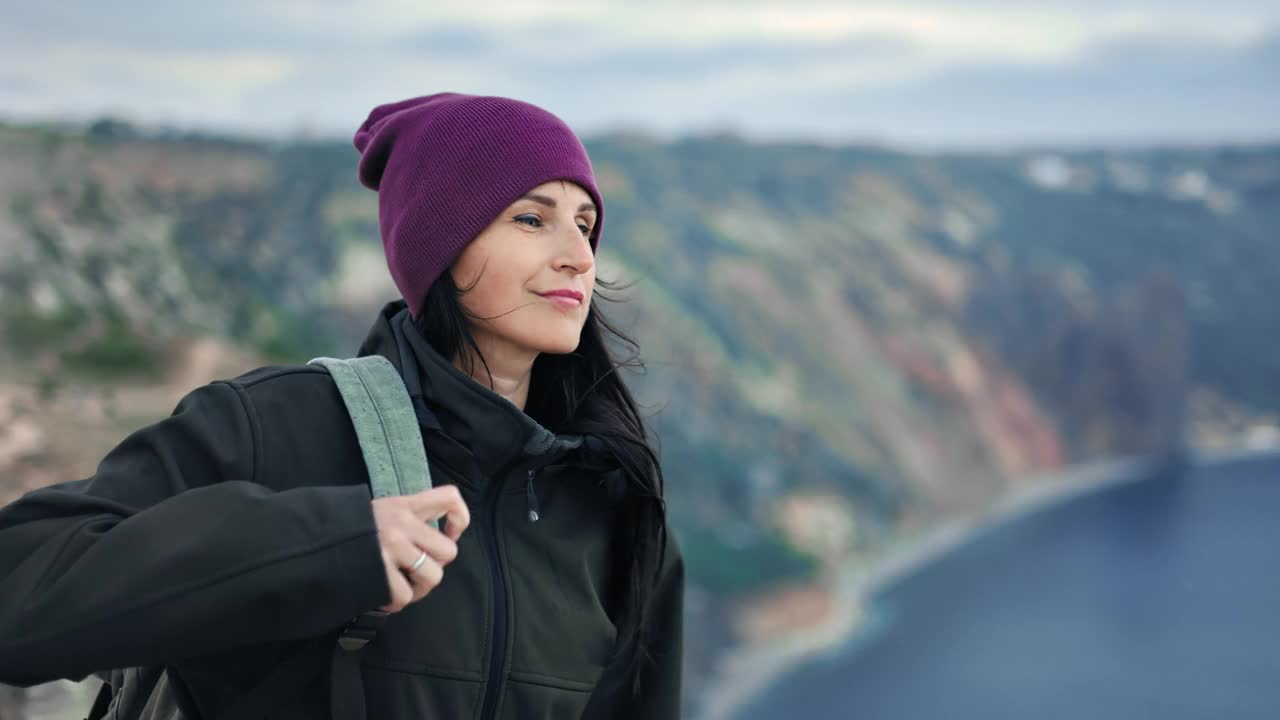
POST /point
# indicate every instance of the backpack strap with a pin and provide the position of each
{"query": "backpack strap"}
(385, 422)
(386, 425)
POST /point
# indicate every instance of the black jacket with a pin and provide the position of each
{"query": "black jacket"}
(218, 540)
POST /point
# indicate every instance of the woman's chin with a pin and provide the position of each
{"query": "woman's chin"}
(562, 349)
(557, 346)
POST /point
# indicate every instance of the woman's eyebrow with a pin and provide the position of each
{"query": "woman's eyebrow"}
(550, 202)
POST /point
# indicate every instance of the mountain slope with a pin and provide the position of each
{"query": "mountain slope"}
(911, 334)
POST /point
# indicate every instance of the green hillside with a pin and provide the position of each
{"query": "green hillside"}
(915, 333)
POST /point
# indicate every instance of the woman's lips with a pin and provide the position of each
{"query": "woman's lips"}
(564, 298)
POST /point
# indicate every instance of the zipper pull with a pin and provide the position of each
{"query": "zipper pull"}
(531, 498)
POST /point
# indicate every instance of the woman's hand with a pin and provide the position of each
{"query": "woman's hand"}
(403, 534)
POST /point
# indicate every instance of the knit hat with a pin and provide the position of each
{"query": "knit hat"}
(445, 165)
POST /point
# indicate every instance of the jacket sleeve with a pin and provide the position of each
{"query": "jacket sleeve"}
(661, 679)
(173, 549)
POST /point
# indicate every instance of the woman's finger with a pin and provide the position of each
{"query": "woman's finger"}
(426, 578)
(442, 501)
(438, 545)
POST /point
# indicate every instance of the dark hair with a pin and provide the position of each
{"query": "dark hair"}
(582, 392)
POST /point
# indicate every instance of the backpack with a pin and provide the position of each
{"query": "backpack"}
(386, 426)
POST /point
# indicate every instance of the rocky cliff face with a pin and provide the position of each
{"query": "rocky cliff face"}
(912, 334)
(915, 332)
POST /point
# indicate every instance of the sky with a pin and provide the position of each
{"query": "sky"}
(914, 73)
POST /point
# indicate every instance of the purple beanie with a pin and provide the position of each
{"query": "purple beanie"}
(445, 165)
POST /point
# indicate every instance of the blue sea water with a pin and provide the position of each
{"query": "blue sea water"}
(1157, 598)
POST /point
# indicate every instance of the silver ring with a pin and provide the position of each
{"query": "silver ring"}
(418, 563)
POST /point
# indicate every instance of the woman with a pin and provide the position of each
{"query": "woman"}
(238, 535)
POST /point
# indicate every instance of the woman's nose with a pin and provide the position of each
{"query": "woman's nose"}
(578, 254)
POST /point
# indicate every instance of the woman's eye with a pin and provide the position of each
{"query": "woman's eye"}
(537, 222)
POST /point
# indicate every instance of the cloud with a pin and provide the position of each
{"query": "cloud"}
(926, 72)
(651, 63)
(1140, 89)
(159, 26)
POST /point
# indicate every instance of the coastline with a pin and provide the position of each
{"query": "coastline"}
(745, 671)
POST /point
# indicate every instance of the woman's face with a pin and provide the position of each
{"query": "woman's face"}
(539, 244)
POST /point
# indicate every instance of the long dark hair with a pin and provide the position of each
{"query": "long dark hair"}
(583, 392)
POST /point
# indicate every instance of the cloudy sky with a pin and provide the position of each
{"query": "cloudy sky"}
(917, 73)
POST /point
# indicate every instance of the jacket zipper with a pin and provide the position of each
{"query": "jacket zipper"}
(531, 499)
(498, 649)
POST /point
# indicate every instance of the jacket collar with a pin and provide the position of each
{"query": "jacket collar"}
(493, 431)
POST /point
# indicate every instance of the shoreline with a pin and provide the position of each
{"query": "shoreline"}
(746, 671)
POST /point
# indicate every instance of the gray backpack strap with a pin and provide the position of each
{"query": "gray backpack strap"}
(391, 442)
(385, 423)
